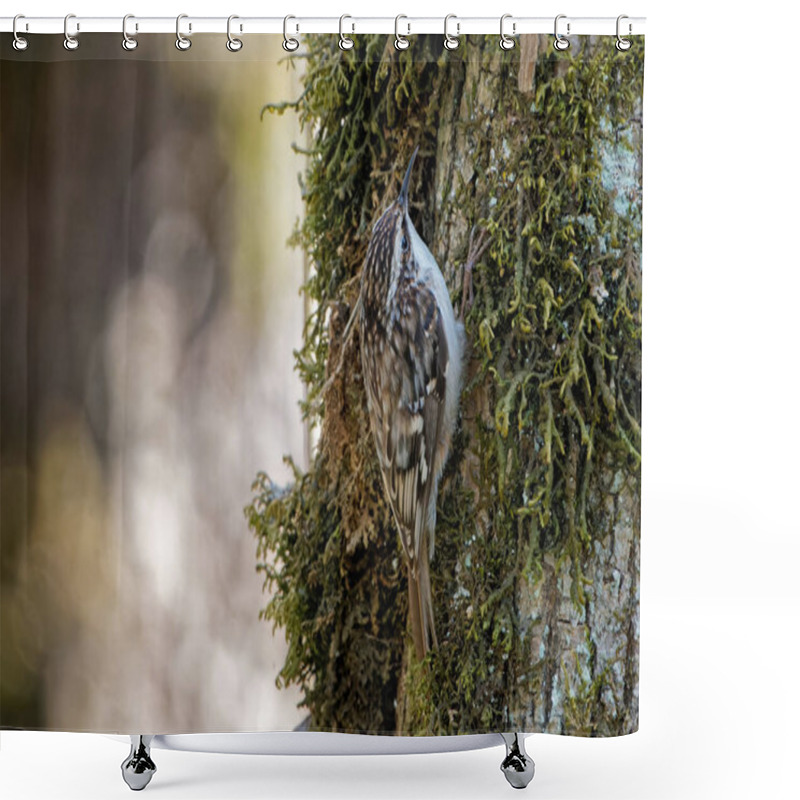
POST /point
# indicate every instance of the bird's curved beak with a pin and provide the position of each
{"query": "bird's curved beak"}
(402, 198)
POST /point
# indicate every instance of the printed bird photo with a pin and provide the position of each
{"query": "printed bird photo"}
(461, 554)
(321, 380)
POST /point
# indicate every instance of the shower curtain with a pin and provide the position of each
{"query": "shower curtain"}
(220, 486)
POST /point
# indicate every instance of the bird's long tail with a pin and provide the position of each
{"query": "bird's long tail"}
(420, 605)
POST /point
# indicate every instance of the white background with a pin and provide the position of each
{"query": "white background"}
(720, 535)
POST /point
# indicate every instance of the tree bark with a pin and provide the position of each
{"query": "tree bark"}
(586, 653)
(536, 574)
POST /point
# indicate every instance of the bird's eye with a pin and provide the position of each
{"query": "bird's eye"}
(404, 244)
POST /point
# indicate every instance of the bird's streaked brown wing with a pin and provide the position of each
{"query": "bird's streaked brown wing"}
(406, 387)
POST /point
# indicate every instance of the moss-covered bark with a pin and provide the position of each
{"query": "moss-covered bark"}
(535, 578)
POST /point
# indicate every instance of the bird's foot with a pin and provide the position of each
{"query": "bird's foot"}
(477, 247)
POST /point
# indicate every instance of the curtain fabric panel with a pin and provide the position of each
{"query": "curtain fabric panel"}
(321, 385)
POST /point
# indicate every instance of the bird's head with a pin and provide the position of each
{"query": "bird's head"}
(394, 238)
(402, 228)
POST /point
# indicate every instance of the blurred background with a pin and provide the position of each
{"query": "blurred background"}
(150, 308)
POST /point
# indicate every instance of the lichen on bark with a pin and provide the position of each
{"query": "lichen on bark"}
(536, 571)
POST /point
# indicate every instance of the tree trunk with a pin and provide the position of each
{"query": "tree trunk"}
(536, 572)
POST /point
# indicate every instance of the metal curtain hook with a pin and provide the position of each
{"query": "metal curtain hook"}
(506, 42)
(345, 42)
(451, 42)
(400, 42)
(20, 42)
(560, 42)
(290, 44)
(623, 44)
(182, 42)
(70, 42)
(128, 42)
(233, 44)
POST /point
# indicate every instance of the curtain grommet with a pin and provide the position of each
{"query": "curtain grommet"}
(19, 43)
(560, 43)
(183, 43)
(71, 42)
(233, 44)
(345, 42)
(451, 42)
(290, 44)
(506, 42)
(401, 42)
(128, 42)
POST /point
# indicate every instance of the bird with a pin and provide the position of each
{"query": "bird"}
(412, 354)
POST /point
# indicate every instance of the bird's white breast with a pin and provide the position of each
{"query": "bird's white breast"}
(454, 331)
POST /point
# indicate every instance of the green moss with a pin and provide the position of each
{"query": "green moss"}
(553, 382)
